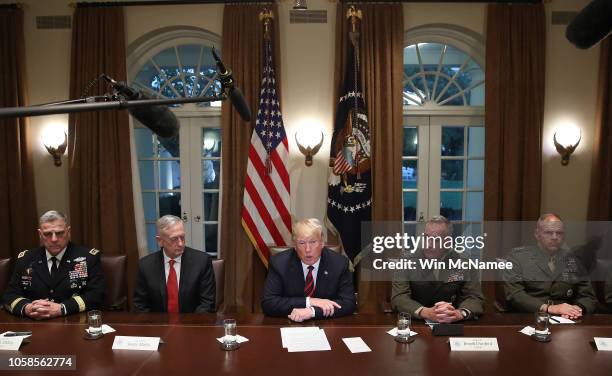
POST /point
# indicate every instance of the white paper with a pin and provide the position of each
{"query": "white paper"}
(105, 329)
(136, 343)
(304, 339)
(528, 330)
(239, 339)
(23, 336)
(603, 343)
(356, 345)
(473, 344)
(393, 332)
(302, 330)
(11, 343)
(560, 320)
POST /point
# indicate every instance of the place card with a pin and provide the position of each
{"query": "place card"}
(603, 343)
(356, 345)
(10, 343)
(473, 344)
(136, 343)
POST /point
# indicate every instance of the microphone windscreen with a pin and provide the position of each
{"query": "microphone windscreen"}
(591, 24)
(240, 104)
(158, 119)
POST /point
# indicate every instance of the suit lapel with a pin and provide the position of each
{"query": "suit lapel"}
(64, 265)
(161, 272)
(41, 268)
(184, 276)
(321, 275)
(297, 274)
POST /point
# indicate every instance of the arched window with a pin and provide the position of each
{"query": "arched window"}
(443, 154)
(180, 175)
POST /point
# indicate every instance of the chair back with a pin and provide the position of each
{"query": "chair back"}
(5, 274)
(114, 268)
(219, 269)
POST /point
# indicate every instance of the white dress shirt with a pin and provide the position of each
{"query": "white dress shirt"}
(58, 257)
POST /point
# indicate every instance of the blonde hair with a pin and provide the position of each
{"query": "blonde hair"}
(306, 227)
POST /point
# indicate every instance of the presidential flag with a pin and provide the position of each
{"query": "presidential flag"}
(349, 194)
(265, 210)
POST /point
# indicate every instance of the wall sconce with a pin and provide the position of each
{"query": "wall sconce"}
(566, 141)
(309, 151)
(55, 146)
(300, 4)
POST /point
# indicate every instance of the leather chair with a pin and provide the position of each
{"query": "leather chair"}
(114, 268)
(219, 270)
(5, 274)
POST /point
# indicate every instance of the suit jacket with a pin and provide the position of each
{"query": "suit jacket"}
(196, 284)
(284, 286)
(530, 282)
(79, 282)
(415, 288)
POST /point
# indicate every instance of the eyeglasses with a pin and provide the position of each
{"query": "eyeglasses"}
(58, 234)
(175, 239)
(304, 243)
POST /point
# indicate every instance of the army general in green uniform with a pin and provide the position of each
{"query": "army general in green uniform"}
(56, 279)
(546, 273)
(438, 294)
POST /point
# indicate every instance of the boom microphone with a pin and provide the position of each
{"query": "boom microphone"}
(591, 24)
(158, 119)
(235, 95)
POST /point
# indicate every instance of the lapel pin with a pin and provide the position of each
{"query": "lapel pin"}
(325, 272)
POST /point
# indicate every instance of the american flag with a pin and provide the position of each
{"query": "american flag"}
(265, 208)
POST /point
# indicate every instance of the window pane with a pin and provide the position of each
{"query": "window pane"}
(410, 203)
(451, 174)
(151, 242)
(475, 173)
(211, 173)
(409, 173)
(168, 147)
(411, 142)
(147, 176)
(211, 142)
(169, 175)
(451, 204)
(211, 206)
(473, 208)
(170, 203)
(430, 54)
(210, 237)
(476, 141)
(148, 203)
(143, 138)
(452, 141)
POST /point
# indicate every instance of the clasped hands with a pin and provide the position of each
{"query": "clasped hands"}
(565, 310)
(442, 312)
(43, 309)
(301, 314)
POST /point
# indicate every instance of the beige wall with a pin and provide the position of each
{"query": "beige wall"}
(307, 54)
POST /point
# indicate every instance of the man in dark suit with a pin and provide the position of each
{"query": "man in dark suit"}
(308, 281)
(442, 295)
(59, 278)
(175, 278)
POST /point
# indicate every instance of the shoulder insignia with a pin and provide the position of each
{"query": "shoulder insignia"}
(94, 251)
(22, 253)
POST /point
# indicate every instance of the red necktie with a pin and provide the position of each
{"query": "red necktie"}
(172, 289)
(309, 286)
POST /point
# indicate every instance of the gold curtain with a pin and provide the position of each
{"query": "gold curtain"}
(101, 202)
(514, 100)
(381, 56)
(17, 196)
(241, 52)
(600, 200)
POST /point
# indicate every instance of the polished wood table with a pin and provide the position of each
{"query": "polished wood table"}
(190, 347)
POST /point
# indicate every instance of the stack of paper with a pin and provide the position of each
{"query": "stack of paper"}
(310, 338)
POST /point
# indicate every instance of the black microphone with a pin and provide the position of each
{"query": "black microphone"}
(235, 95)
(591, 24)
(158, 119)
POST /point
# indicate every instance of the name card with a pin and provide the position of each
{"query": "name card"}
(10, 343)
(473, 344)
(603, 343)
(136, 343)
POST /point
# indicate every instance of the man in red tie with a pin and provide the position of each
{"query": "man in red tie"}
(308, 281)
(175, 279)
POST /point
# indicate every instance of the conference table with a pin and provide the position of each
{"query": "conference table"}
(190, 347)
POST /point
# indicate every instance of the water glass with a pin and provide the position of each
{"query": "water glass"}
(94, 321)
(403, 327)
(230, 340)
(542, 327)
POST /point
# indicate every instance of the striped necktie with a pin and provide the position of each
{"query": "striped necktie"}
(309, 286)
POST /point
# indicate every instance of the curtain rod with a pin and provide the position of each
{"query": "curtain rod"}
(161, 2)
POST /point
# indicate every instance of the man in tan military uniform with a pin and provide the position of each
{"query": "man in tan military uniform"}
(445, 295)
(548, 273)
